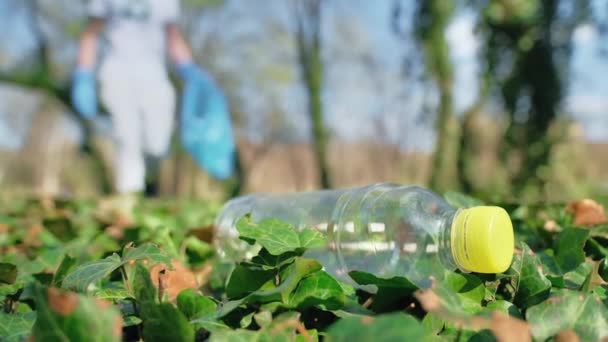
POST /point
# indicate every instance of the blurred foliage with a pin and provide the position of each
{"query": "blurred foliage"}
(533, 39)
(62, 262)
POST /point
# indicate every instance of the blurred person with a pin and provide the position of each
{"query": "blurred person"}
(133, 80)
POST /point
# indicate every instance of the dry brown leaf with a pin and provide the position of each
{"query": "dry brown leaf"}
(63, 303)
(567, 336)
(509, 329)
(588, 212)
(429, 300)
(174, 281)
(3, 228)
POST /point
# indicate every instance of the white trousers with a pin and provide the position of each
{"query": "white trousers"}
(141, 106)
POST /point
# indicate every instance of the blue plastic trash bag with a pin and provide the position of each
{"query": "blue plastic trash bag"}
(206, 131)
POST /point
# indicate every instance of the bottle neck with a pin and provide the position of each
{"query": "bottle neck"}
(446, 254)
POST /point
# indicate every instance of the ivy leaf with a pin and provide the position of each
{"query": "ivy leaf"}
(194, 305)
(263, 318)
(16, 327)
(318, 289)
(282, 328)
(390, 293)
(246, 320)
(67, 264)
(569, 310)
(143, 289)
(364, 278)
(311, 238)
(113, 294)
(244, 280)
(290, 277)
(229, 306)
(569, 248)
(46, 261)
(389, 327)
(447, 305)
(91, 272)
(10, 289)
(146, 251)
(276, 236)
(469, 288)
(268, 261)
(164, 322)
(209, 323)
(433, 323)
(67, 316)
(528, 284)
(505, 307)
(8, 273)
(579, 277)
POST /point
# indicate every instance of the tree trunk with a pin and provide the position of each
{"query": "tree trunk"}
(432, 20)
(308, 37)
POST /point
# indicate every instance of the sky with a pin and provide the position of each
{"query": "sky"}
(366, 94)
(586, 100)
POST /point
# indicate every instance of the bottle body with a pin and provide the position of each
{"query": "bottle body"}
(384, 229)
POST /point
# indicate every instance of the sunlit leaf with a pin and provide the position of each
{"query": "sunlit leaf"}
(276, 236)
(16, 327)
(146, 251)
(91, 272)
(318, 289)
(569, 310)
(194, 305)
(528, 284)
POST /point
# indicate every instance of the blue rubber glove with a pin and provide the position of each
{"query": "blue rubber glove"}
(84, 95)
(206, 131)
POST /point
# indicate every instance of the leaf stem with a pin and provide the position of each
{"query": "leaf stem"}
(125, 278)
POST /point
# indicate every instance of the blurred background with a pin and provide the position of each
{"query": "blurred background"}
(503, 99)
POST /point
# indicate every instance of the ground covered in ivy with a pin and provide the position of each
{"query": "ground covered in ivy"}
(69, 271)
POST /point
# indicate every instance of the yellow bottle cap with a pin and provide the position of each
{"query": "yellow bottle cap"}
(482, 239)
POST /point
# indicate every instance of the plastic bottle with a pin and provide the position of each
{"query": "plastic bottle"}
(384, 229)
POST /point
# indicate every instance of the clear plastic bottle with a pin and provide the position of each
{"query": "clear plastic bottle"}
(384, 229)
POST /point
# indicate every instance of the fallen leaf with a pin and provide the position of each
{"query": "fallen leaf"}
(567, 336)
(588, 212)
(63, 303)
(429, 300)
(174, 281)
(509, 329)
